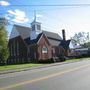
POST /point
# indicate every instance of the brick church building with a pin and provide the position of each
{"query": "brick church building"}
(32, 44)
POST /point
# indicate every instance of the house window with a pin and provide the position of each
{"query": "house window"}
(44, 49)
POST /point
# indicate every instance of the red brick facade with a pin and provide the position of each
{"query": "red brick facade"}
(21, 52)
(36, 50)
(18, 51)
(44, 43)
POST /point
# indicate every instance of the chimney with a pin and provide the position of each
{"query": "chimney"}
(63, 34)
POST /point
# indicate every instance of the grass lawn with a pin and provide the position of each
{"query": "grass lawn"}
(24, 66)
(72, 60)
(18, 67)
(78, 59)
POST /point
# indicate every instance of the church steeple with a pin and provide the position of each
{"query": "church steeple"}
(36, 28)
(35, 16)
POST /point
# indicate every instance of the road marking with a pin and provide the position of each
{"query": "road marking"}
(43, 78)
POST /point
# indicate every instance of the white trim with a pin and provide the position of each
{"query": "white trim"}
(44, 49)
(39, 38)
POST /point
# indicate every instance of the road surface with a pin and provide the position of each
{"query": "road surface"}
(72, 76)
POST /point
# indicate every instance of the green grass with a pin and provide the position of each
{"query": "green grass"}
(78, 59)
(24, 66)
(72, 60)
(19, 66)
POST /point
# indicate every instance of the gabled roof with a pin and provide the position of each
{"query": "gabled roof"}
(30, 42)
(23, 31)
(54, 42)
(53, 38)
(65, 44)
(52, 35)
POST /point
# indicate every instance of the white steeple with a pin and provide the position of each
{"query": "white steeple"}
(36, 28)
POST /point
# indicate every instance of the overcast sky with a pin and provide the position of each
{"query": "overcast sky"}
(53, 18)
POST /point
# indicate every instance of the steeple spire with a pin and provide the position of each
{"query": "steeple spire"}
(35, 15)
(36, 28)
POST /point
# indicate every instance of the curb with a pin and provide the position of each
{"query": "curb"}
(26, 69)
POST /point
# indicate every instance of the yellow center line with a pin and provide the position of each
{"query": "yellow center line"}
(43, 78)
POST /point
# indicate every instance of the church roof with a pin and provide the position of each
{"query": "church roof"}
(53, 38)
(65, 44)
(30, 42)
(54, 42)
(24, 31)
(52, 35)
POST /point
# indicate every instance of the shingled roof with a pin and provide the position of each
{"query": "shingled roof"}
(53, 38)
(24, 31)
(65, 44)
(30, 42)
(52, 35)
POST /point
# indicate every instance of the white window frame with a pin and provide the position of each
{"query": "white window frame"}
(44, 49)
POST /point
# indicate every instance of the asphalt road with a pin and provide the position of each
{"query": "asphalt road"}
(72, 76)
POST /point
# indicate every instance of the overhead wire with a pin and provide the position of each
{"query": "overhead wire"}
(50, 5)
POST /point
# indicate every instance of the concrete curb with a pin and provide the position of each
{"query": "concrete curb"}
(26, 69)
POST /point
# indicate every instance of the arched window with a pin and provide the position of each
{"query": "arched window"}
(44, 49)
(11, 48)
(17, 48)
(14, 48)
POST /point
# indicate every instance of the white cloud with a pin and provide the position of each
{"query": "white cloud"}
(4, 3)
(20, 20)
(11, 12)
(18, 16)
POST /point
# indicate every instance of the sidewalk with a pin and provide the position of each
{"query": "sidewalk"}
(49, 65)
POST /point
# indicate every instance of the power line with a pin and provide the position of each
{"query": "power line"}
(53, 5)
